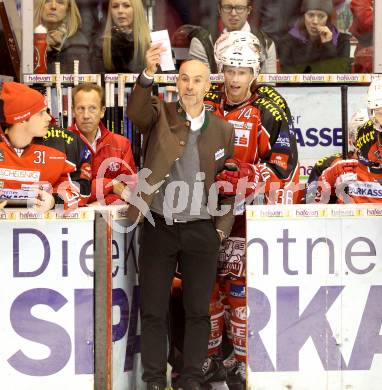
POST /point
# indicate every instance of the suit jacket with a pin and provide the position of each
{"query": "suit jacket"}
(165, 132)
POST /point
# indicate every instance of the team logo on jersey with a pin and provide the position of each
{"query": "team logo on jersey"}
(114, 166)
(2, 157)
(242, 137)
(241, 313)
(232, 258)
(279, 159)
(85, 153)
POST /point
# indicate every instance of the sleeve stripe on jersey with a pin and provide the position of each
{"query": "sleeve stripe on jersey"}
(268, 136)
(72, 164)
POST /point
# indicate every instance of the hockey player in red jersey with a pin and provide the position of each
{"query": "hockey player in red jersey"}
(265, 155)
(357, 120)
(359, 180)
(36, 163)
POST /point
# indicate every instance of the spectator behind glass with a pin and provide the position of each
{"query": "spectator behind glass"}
(91, 12)
(362, 29)
(125, 39)
(234, 15)
(66, 42)
(276, 17)
(314, 44)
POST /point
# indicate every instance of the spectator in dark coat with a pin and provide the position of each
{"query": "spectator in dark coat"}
(66, 42)
(314, 44)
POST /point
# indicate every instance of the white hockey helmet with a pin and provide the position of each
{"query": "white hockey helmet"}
(374, 101)
(358, 119)
(240, 49)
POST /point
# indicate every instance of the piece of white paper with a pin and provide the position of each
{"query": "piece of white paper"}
(166, 61)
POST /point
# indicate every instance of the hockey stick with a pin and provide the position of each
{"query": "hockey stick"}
(107, 104)
(49, 98)
(59, 92)
(121, 92)
(112, 107)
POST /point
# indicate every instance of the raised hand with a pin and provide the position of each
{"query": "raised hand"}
(153, 58)
(325, 34)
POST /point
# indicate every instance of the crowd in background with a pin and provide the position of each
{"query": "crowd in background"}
(112, 36)
(118, 31)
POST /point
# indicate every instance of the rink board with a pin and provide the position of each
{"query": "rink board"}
(314, 278)
(47, 302)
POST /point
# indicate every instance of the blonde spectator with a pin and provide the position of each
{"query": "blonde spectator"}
(125, 39)
(66, 42)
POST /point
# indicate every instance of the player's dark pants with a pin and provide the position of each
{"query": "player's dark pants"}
(195, 245)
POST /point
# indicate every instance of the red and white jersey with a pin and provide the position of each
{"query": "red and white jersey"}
(40, 166)
(355, 180)
(251, 139)
(365, 185)
(263, 136)
(262, 132)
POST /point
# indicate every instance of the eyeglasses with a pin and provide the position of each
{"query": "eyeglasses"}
(227, 8)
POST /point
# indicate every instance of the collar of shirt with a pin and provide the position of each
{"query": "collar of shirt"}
(198, 121)
(246, 28)
(93, 145)
(97, 137)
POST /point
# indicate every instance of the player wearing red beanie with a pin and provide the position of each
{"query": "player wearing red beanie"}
(35, 165)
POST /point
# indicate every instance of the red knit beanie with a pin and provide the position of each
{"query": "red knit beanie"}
(20, 102)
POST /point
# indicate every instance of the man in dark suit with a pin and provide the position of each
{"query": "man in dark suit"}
(184, 146)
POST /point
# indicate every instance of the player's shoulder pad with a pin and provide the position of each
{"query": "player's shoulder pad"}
(268, 92)
(269, 110)
(56, 133)
(366, 135)
(214, 94)
(327, 161)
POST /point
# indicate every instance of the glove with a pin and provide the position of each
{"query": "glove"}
(236, 170)
(339, 174)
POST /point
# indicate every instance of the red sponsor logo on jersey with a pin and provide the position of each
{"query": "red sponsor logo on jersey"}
(242, 137)
(279, 159)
